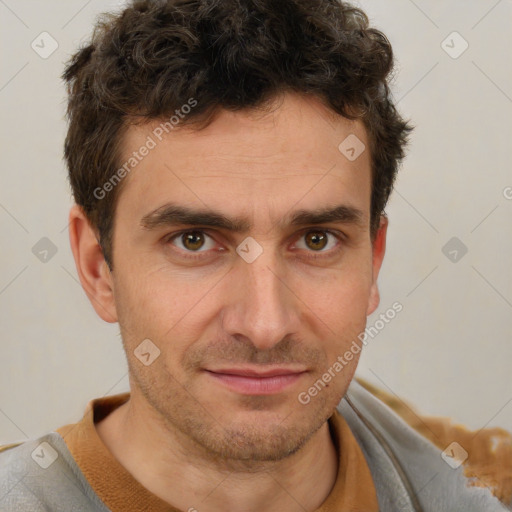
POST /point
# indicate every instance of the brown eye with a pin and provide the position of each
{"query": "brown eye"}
(321, 241)
(192, 240)
(316, 240)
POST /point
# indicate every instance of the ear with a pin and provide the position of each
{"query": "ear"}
(378, 250)
(91, 266)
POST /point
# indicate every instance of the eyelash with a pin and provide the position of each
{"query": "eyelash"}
(200, 255)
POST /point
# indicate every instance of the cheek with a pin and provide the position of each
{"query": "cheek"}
(346, 312)
(342, 310)
(343, 294)
(160, 307)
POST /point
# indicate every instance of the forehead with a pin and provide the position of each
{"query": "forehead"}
(252, 161)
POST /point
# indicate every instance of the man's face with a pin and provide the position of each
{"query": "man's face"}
(214, 312)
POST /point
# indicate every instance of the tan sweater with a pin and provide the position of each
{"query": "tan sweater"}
(353, 490)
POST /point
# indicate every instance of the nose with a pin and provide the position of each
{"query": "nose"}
(263, 307)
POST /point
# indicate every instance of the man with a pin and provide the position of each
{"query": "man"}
(230, 162)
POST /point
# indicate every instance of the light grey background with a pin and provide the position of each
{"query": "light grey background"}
(448, 352)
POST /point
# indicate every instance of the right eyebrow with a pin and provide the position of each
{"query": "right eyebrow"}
(171, 214)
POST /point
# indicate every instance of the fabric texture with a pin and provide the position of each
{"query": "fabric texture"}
(409, 472)
(489, 462)
(26, 486)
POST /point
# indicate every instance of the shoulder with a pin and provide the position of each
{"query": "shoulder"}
(15, 469)
(40, 475)
(486, 454)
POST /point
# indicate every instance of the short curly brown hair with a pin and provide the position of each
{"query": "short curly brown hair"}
(150, 59)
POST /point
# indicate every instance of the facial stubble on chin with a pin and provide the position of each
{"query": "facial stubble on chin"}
(234, 446)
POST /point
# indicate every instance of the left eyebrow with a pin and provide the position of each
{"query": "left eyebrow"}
(342, 213)
(173, 214)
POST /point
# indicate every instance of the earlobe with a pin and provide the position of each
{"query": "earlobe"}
(93, 271)
(378, 251)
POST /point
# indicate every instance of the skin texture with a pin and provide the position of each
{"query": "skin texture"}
(219, 448)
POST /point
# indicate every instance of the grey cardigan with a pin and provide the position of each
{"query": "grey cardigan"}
(408, 471)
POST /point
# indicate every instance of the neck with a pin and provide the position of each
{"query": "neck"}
(300, 482)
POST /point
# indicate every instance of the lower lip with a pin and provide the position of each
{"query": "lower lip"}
(257, 385)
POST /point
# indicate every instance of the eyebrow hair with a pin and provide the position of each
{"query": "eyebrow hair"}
(171, 214)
